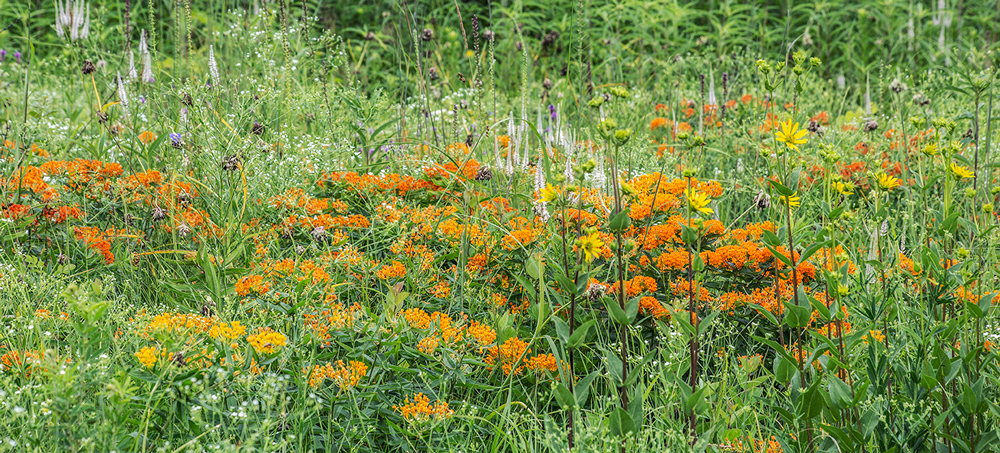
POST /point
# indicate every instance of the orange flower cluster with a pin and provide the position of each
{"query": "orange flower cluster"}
(445, 328)
(296, 198)
(252, 284)
(635, 286)
(344, 376)
(650, 306)
(482, 333)
(390, 271)
(21, 361)
(754, 446)
(334, 318)
(428, 344)
(367, 185)
(513, 358)
(440, 290)
(421, 409)
(439, 174)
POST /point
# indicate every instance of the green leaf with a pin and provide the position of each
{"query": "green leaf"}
(986, 301)
(780, 188)
(813, 400)
(688, 235)
(615, 310)
(620, 222)
(783, 369)
(810, 251)
(818, 306)
(566, 284)
(534, 266)
(974, 309)
(564, 396)
(614, 367)
(562, 329)
(632, 309)
(582, 387)
(621, 423)
(840, 392)
(779, 256)
(948, 225)
(635, 407)
(765, 313)
(580, 334)
(706, 322)
(796, 316)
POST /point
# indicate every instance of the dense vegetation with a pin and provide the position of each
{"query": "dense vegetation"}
(515, 226)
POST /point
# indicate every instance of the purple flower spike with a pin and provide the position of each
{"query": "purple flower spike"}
(3, 54)
(17, 55)
(175, 137)
(552, 111)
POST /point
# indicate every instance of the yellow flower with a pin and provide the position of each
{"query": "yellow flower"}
(698, 201)
(843, 188)
(147, 356)
(591, 245)
(960, 172)
(266, 340)
(226, 332)
(887, 182)
(791, 200)
(549, 193)
(790, 134)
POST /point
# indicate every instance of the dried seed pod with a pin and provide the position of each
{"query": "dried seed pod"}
(231, 163)
(484, 173)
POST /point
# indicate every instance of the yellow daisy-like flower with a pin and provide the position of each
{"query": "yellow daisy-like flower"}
(843, 188)
(887, 182)
(590, 245)
(792, 200)
(960, 172)
(549, 193)
(790, 135)
(698, 201)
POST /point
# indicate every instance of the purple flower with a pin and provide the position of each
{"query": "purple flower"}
(3, 54)
(142, 99)
(176, 139)
(552, 112)
(17, 55)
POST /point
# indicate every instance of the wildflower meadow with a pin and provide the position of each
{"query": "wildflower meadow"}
(499, 226)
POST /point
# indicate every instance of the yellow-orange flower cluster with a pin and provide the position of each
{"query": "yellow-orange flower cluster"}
(421, 409)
